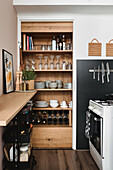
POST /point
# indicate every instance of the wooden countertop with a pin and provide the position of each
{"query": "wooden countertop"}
(11, 104)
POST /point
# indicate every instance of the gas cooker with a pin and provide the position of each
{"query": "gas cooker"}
(99, 126)
(99, 107)
(104, 103)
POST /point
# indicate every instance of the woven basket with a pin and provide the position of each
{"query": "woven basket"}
(94, 48)
(109, 48)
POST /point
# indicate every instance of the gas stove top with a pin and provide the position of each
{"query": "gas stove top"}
(104, 103)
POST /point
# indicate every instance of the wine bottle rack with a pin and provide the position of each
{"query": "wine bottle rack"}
(51, 118)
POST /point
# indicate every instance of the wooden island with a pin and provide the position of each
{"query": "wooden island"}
(11, 104)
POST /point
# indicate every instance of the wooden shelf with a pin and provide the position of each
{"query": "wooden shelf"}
(47, 51)
(50, 108)
(11, 104)
(53, 89)
(52, 125)
(54, 70)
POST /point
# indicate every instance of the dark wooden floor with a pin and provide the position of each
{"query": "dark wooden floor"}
(63, 160)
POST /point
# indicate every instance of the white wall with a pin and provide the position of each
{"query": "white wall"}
(8, 33)
(93, 26)
(8, 41)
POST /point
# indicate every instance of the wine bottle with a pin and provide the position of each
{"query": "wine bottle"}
(55, 118)
(57, 43)
(60, 118)
(65, 117)
(44, 119)
(53, 44)
(39, 120)
(49, 119)
(60, 42)
(63, 42)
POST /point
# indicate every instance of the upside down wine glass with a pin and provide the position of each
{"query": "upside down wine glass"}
(52, 64)
(40, 64)
(46, 64)
(58, 63)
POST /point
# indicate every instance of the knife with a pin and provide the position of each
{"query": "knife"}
(94, 73)
(108, 71)
(98, 73)
(103, 73)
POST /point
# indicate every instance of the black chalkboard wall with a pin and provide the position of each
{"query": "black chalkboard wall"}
(87, 89)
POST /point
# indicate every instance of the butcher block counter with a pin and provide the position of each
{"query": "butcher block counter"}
(11, 104)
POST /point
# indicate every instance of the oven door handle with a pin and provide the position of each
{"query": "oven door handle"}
(96, 119)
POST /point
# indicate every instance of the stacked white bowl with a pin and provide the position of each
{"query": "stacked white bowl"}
(70, 104)
(54, 103)
(63, 104)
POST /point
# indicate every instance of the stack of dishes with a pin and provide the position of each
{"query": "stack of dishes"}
(41, 104)
(39, 85)
(70, 104)
(54, 103)
(68, 85)
(63, 104)
(53, 85)
(47, 83)
(59, 83)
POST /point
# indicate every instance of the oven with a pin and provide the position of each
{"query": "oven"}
(98, 129)
(94, 130)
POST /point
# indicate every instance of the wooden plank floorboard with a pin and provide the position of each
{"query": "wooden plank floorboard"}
(63, 160)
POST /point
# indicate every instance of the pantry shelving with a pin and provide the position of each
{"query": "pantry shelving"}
(53, 70)
(54, 89)
(47, 51)
(42, 33)
(50, 108)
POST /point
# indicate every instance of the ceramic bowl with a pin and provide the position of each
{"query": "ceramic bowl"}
(39, 85)
(47, 83)
(68, 85)
(59, 84)
(53, 101)
(54, 105)
(53, 85)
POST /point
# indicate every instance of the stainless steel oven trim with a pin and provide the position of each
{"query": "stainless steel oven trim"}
(101, 135)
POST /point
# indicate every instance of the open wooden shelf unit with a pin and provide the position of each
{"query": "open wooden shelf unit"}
(53, 70)
(54, 89)
(50, 108)
(42, 33)
(47, 51)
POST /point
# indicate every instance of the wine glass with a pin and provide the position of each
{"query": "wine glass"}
(58, 64)
(33, 64)
(40, 64)
(46, 64)
(52, 64)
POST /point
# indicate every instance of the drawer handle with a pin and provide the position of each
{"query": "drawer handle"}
(49, 139)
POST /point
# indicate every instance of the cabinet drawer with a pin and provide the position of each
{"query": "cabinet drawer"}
(52, 137)
(47, 27)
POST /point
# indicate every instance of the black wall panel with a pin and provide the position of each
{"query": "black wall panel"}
(87, 89)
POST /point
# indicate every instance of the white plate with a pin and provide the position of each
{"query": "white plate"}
(63, 106)
(46, 105)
